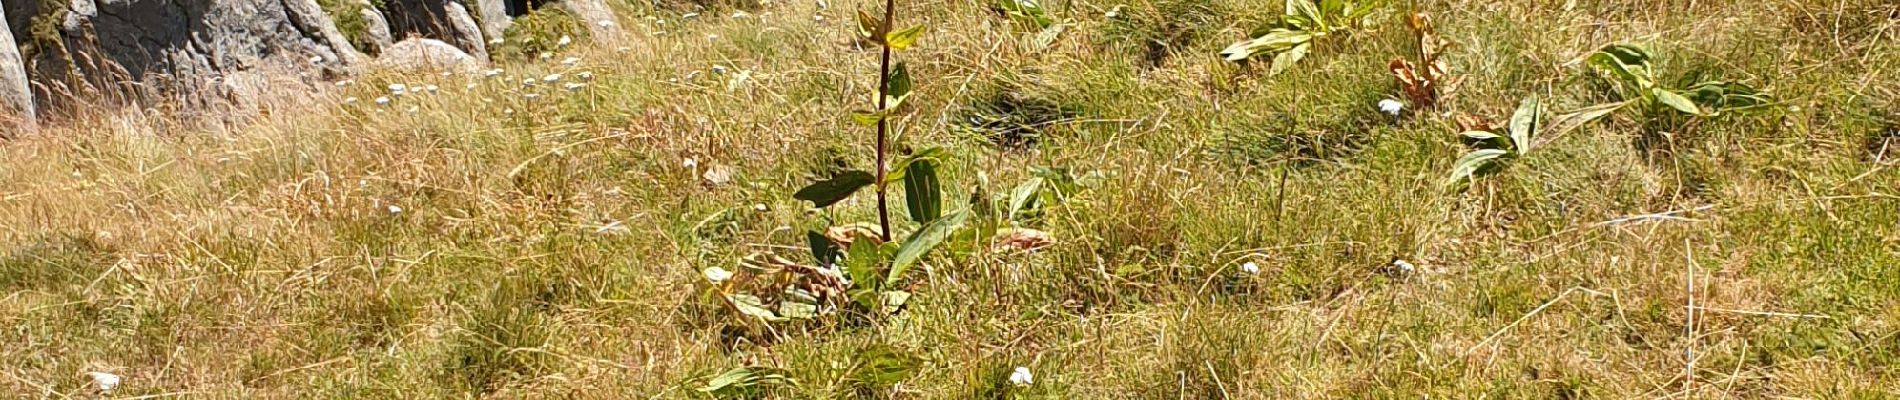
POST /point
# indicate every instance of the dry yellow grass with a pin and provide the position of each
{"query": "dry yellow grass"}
(550, 246)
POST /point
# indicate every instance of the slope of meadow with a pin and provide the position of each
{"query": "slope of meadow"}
(486, 237)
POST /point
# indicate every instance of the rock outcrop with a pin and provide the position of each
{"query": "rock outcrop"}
(428, 55)
(142, 51)
(495, 17)
(16, 100)
(377, 29)
(599, 19)
(444, 20)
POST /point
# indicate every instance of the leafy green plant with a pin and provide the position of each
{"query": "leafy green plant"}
(1303, 23)
(1025, 11)
(1631, 68)
(1491, 150)
(746, 381)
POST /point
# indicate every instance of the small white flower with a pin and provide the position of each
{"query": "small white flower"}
(817, 18)
(395, 209)
(759, 207)
(495, 42)
(397, 89)
(605, 23)
(719, 69)
(430, 88)
(716, 274)
(689, 15)
(1403, 267)
(531, 96)
(564, 41)
(659, 21)
(545, 55)
(585, 76)
(349, 100)
(1021, 377)
(491, 73)
(551, 78)
(712, 37)
(1390, 106)
(1113, 12)
(105, 381)
(624, 49)
(689, 162)
(316, 59)
(1250, 268)
(470, 85)
(382, 101)
(570, 61)
(740, 15)
(572, 86)
(345, 82)
(527, 82)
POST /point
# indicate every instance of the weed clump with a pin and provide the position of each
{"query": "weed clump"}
(540, 32)
(1012, 118)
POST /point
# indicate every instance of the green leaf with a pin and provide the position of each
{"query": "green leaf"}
(1023, 197)
(922, 191)
(883, 365)
(1304, 9)
(868, 118)
(1717, 97)
(1286, 59)
(1473, 163)
(903, 38)
(921, 243)
(1524, 123)
(902, 165)
(1274, 42)
(860, 263)
(797, 310)
(822, 248)
(870, 27)
(1569, 121)
(825, 193)
(1484, 140)
(1630, 70)
(752, 306)
(1675, 100)
(898, 87)
(742, 380)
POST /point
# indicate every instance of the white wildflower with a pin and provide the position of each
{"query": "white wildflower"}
(495, 42)
(527, 82)
(1390, 106)
(717, 274)
(564, 41)
(719, 69)
(382, 101)
(395, 209)
(689, 15)
(1113, 12)
(430, 88)
(105, 381)
(349, 100)
(491, 73)
(689, 162)
(712, 37)
(570, 61)
(397, 89)
(817, 18)
(740, 15)
(1403, 267)
(531, 96)
(1250, 268)
(1021, 377)
(551, 78)
(316, 59)
(345, 82)
(545, 55)
(585, 76)
(605, 23)
(573, 86)
(760, 207)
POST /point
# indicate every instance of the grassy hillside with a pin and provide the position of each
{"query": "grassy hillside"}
(1232, 234)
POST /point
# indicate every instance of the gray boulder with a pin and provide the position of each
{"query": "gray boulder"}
(466, 34)
(599, 19)
(496, 17)
(444, 20)
(377, 28)
(428, 55)
(16, 100)
(137, 52)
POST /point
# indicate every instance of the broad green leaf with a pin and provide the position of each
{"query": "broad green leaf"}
(1303, 8)
(1524, 123)
(752, 306)
(1675, 100)
(898, 88)
(825, 193)
(868, 118)
(1472, 163)
(1633, 77)
(1481, 136)
(870, 27)
(1569, 121)
(1023, 197)
(861, 262)
(822, 248)
(1486, 140)
(903, 38)
(797, 310)
(922, 191)
(742, 380)
(1722, 96)
(881, 366)
(921, 242)
(1273, 42)
(1286, 59)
